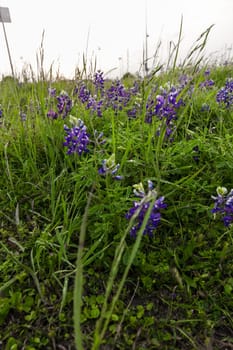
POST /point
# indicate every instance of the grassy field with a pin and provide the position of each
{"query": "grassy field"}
(116, 211)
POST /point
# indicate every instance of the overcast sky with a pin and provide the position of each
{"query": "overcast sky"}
(113, 31)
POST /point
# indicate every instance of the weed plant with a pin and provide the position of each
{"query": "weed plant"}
(112, 234)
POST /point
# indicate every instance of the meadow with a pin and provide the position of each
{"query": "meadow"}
(116, 210)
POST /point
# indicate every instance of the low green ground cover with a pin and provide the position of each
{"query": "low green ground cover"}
(89, 260)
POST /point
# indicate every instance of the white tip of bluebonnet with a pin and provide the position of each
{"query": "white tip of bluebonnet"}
(221, 191)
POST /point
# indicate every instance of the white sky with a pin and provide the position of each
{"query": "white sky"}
(116, 30)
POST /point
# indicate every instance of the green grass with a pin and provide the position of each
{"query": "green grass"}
(71, 277)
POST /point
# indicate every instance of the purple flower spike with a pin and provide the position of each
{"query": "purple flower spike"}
(77, 138)
(117, 96)
(52, 114)
(225, 94)
(52, 92)
(23, 116)
(83, 93)
(99, 82)
(223, 205)
(64, 104)
(110, 167)
(164, 106)
(141, 207)
(206, 84)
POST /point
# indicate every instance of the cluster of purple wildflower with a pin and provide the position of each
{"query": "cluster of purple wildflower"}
(99, 82)
(225, 94)
(98, 138)
(110, 167)
(207, 83)
(82, 92)
(184, 80)
(223, 205)
(140, 209)
(164, 106)
(1, 115)
(64, 104)
(95, 105)
(23, 116)
(115, 97)
(92, 102)
(1, 112)
(196, 156)
(77, 138)
(52, 92)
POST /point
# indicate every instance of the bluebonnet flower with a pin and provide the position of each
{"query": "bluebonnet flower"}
(1, 115)
(109, 166)
(64, 104)
(135, 107)
(164, 107)
(83, 93)
(135, 89)
(207, 72)
(77, 138)
(206, 84)
(223, 205)
(225, 94)
(52, 92)
(141, 207)
(1, 111)
(98, 136)
(184, 80)
(23, 116)
(52, 114)
(132, 112)
(167, 103)
(99, 82)
(196, 156)
(95, 106)
(117, 96)
(91, 102)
